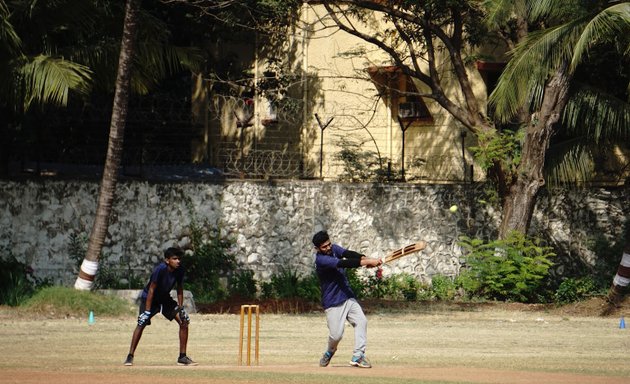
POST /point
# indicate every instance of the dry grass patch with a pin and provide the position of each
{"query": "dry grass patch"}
(486, 344)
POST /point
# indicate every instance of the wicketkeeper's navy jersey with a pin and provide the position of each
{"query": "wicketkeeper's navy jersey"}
(165, 281)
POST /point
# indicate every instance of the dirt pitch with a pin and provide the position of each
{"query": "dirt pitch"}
(435, 344)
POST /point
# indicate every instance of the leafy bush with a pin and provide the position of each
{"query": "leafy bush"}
(17, 281)
(243, 285)
(15, 285)
(289, 284)
(443, 287)
(403, 286)
(206, 262)
(375, 286)
(574, 289)
(308, 288)
(512, 269)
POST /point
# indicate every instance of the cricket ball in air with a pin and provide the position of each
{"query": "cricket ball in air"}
(453, 208)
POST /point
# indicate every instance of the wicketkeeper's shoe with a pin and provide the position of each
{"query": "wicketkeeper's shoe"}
(185, 360)
(360, 361)
(325, 360)
(129, 360)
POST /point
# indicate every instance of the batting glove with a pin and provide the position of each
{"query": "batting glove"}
(143, 318)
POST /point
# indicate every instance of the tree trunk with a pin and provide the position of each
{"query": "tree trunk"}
(89, 267)
(621, 280)
(520, 201)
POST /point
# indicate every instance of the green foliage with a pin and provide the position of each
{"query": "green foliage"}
(68, 301)
(401, 286)
(58, 49)
(243, 285)
(285, 283)
(443, 287)
(209, 260)
(374, 286)
(512, 269)
(499, 147)
(17, 281)
(574, 289)
(308, 288)
(288, 284)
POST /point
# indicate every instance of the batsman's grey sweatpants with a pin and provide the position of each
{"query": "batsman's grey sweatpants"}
(336, 318)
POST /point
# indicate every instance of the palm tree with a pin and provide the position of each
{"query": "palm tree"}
(157, 69)
(539, 79)
(32, 71)
(51, 51)
(550, 38)
(89, 266)
(56, 51)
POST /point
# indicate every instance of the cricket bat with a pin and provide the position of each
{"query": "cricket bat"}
(408, 250)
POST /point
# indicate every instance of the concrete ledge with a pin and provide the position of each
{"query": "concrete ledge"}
(133, 297)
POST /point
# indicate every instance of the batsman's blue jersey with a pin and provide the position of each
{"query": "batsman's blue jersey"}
(165, 281)
(332, 279)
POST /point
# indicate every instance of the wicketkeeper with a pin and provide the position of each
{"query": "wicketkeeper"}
(156, 298)
(338, 300)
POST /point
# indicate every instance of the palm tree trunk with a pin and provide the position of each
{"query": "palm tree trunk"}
(518, 206)
(89, 267)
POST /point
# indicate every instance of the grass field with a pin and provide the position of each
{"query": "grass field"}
(438, 346)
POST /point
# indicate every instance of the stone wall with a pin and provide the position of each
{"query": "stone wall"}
(272, 223)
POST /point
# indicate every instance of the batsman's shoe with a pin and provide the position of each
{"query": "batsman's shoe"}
(360, 361)
(129, 360)
(185, 360)
(325, 360)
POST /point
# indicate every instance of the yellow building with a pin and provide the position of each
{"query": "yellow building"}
(339, 96)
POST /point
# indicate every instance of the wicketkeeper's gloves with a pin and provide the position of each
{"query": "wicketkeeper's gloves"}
(144, 318)
(183, 316)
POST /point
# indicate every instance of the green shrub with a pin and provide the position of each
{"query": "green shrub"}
(402, 286)
(287, 284)
(17, 281)
(443, 287)
(511, 269)
(308, 288)
(208, 260)
(243, 285)
(266, 290)
(574, 289)
(375, 286)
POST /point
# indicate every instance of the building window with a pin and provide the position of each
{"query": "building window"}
(406, 101)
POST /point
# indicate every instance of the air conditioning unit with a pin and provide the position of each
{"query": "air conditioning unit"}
(412, 110)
